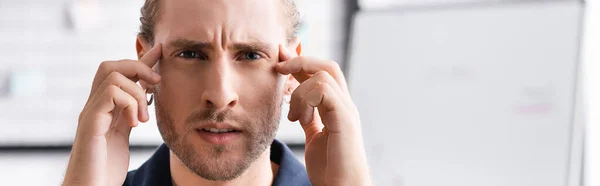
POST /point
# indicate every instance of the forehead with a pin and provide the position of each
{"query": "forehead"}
(221, 21)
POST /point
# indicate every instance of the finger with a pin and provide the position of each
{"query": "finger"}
(152, 56)
(124, 117)
(133, 70)
(150, 59)
(314, 127)
(132, 89)
(302, 67)
(309, 65)
(299, 109)
(324, 98)
(285, 54)
(113, 98)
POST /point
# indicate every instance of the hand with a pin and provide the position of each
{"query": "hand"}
(334, 152)
(100, 154)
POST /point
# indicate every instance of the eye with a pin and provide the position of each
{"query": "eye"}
(250, 56)
(192, 55)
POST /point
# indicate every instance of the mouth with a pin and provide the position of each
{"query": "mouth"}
(216, 130)
(219, 133)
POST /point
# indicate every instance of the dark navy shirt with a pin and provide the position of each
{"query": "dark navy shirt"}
(156, 171)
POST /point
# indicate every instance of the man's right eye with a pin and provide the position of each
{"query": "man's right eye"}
(192, 55)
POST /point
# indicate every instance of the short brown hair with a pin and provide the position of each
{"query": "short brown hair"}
(151, 9)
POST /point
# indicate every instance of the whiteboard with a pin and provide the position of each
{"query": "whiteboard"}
(470, 97)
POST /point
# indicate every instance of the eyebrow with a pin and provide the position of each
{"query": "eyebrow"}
(189, 44)
(252, 46)
(199, 45)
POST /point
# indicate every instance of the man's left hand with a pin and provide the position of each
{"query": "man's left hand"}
(334, 152)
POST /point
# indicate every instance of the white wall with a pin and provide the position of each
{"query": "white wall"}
(477, 95)
(591, 82)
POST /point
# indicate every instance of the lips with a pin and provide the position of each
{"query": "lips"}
(219, 133)
(216, 130)
(218, 127)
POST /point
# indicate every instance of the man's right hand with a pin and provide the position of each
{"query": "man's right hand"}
(100, 154)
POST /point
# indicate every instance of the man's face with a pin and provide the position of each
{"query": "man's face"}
(218, 74)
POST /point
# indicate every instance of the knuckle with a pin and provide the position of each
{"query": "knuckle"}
(324, 77)
(105, 66)
(113, 90)
(333, 65)
(82, 115)
(113, 76)
(321, 85)
(116, 78)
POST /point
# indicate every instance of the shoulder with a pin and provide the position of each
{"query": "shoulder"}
(155, 171)
(129, 178)
(291, 172)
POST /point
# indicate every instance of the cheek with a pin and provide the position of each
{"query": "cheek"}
(264, 96)
(178, 92)
(260, 81)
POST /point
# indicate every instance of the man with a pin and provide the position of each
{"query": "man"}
(218, 72)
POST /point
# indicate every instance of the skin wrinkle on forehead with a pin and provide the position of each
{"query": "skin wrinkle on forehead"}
(287, 9)
(221, 27)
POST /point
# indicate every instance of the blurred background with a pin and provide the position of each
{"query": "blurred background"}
(451, 92)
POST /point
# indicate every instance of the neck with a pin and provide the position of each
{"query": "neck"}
(260, 172)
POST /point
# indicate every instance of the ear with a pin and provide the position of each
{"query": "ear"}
(290, 85)
(142, 46)
(295, 45)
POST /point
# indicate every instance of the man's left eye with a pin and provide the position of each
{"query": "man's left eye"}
(251, 56)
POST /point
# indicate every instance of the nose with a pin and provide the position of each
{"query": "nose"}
(219, 93)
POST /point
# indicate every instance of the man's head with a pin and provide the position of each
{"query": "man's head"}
(218, 75)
